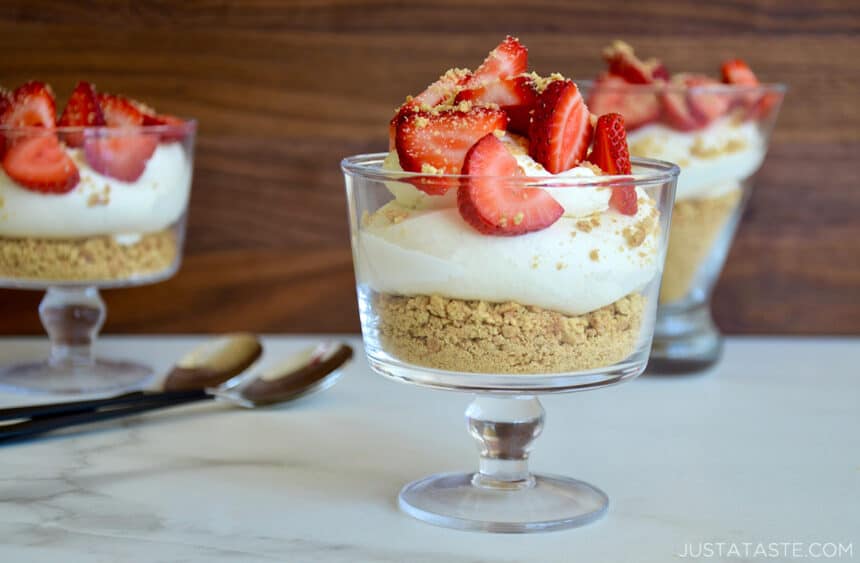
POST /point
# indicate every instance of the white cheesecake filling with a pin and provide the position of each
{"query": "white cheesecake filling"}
(100, 205)
(713, 161)
(419, 244)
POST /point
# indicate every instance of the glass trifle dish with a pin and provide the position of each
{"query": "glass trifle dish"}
(96, 198)
(506, 246)
(717, 131)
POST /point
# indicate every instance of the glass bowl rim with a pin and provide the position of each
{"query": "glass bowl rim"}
(717, 88)
(188, 125)
(369, 166)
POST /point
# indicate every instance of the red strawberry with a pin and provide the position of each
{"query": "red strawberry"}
(612, 93)
(677, 112)
(516, 96)
(610, 151)
(5, 102)
(439, 140)
(762, 107)
(441, 91)
(31, 105)
(39, 163)
(736, 71)
(121, 156)
(509, 58)
(611, 154)
(176, 125)
(82, 110)
(624, 63)
(497, 207)
(560, 130)
(706, 103)
(119, 111)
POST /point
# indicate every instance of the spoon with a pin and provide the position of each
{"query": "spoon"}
(310, 370)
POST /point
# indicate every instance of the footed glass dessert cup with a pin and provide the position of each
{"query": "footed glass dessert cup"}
(567, 308)
(117, 220)
(718, 134)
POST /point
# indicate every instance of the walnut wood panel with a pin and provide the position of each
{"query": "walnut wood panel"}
(283, 90)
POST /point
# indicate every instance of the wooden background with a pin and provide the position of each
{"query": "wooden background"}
(283, 90)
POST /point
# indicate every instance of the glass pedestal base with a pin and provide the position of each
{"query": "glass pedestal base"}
(542, 503)
(686, 340)
(100, 376)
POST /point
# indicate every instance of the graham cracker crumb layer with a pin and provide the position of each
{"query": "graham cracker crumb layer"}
(696, 223)
(483, 337)
(88, 259)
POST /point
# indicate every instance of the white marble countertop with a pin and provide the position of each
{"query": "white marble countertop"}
(764, 449)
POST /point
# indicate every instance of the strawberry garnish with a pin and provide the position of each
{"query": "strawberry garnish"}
(509, 58)
(623, 62)
(705, 106)
(560, 130)
(436, 142)
(516, 96)
(171, 121)
(494, 206)
(441, 91)
(119, 111)
(677, 111)
(611, 93)
(611, 154)
(736, 71)
(82, 110)
(121, 156)
(31, 105)
(39, 163)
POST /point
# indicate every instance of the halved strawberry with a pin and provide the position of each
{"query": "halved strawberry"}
(30, 105)
(509, 58)
(515, 95)
(119, 111)
(611, 154)
(495, 206)
(120, 156)
(677, 112)
(39, 163)
(706, 103)
(736, 71)
(82, 110)
(610, 150)
(176, 125)
(612, 93)
(436, 142)
(441, 91)
(560, 130)
(623, 62)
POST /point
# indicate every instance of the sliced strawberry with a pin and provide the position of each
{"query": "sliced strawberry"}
(515, 95)
(610, 151)
(611, 154)
(624, 63)
(177, 126)
(560, 130)
(119, 111)
(82, 110)
(612, 93)
(706, 103)
(120, 156)
(31, 105)
(736, 71)
(509, 58)
(677, 112)
(441, 91)
(498, 207)
(40, 164)
(763, 107)
(436, 142)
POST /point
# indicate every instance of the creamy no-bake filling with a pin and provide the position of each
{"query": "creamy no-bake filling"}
(101, 205)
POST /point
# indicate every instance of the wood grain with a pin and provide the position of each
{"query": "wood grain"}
(284, 90)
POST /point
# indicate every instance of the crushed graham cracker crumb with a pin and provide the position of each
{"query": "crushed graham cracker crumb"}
(594, 255)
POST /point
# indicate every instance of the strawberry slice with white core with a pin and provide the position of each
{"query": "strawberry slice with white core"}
(494, 205)
(706, 102)
(175, 124)
(82, 110)
(516, 96)
(509, 58)
(677, 112)
(121, 156)
(611, 154)
(436, 142)
(119, 111)
(440, 92)
(30, 105)
(560, 130)
(39, 163)
(612, 93)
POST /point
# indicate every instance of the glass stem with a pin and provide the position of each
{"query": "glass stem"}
(504, 429)
(72, 317)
